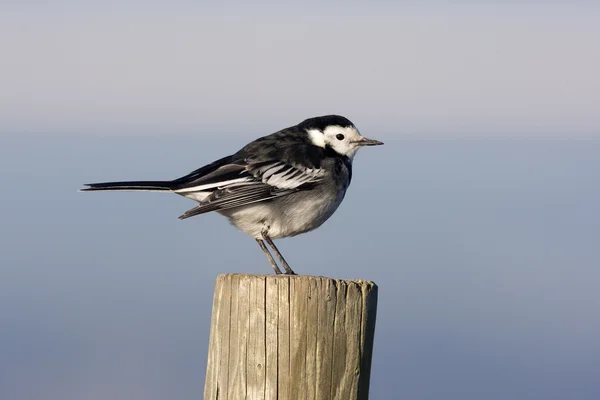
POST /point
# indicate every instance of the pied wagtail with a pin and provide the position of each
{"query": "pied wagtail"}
(277, 186)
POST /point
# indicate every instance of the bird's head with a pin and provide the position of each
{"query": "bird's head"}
(336, 132)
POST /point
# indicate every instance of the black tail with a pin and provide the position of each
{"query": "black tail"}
(149, 186)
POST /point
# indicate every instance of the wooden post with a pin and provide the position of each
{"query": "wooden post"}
(284, 337)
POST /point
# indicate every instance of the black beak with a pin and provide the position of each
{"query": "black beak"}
(368, 142)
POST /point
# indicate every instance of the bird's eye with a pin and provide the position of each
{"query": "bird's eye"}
(339, 136)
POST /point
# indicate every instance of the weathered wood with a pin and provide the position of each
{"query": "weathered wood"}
(286, 337)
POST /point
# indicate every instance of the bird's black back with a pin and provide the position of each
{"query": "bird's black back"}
(293, 146)
(290, 145)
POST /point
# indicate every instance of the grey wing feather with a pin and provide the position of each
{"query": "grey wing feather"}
(285, 176)
(271, 180)
(235, 196)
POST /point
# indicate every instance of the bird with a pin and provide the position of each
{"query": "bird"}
(280, 185)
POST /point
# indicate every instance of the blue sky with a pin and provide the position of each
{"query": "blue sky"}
(478, 219)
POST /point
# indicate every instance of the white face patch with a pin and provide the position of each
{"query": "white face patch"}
(342, 139)
(316, 137)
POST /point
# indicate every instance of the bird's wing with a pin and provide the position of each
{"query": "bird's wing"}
(257, 182)
(218, 174)
(281, 175)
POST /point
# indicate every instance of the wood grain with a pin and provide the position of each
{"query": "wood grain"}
(290, 337)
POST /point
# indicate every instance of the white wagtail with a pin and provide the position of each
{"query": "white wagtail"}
(277, 186)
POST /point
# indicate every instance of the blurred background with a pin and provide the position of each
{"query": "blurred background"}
(478, 219)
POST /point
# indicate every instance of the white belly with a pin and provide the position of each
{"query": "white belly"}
(285, 216)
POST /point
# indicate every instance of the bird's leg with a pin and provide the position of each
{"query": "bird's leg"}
(286, 266)
(269, 256)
